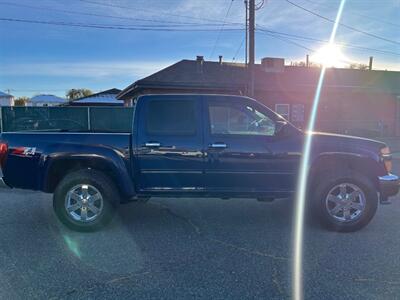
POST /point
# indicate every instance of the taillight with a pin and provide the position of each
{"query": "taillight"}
(387, 158)
(3, 153)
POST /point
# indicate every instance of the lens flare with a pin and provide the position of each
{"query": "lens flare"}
(297, 278)
(330, 55)
(72, 245)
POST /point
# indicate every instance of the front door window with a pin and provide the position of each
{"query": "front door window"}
(239, 120)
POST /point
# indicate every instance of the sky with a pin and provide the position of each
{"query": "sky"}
(129, 39)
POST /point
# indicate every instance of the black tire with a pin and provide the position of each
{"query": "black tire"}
(98, 180)
(329, 181)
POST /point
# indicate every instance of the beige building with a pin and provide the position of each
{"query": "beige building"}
(6, 99)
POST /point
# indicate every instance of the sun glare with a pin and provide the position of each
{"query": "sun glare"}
(330, 55)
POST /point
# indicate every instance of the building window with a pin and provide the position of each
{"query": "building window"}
(283, 110)
(298, 115)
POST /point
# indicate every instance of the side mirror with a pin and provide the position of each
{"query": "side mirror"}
(281, 128)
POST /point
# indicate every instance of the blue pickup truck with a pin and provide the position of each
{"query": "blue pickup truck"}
(198, 146)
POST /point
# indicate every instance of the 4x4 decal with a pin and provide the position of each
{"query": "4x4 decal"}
(24, 151)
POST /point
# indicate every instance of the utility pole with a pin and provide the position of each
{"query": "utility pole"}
(252, 25)
(246, 3)
(371, 59)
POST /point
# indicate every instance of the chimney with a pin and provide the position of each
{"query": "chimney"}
(220, 59)
(371, 59)
(307, 60)
(272, 64)
(199, 63)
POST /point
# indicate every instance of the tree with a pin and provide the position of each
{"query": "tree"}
(21, 101)
(74, 94)
(303, 64)
(358, 66)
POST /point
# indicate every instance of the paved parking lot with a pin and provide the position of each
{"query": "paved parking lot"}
(190, 248)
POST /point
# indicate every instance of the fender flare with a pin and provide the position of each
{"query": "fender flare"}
(363, 163)
(90, 156)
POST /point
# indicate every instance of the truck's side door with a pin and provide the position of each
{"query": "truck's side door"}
(170, 157)
(244, 155)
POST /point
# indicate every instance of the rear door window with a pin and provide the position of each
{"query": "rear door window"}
(171, 117)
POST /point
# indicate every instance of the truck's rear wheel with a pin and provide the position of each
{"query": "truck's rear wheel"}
(85, 200)
(345, 202)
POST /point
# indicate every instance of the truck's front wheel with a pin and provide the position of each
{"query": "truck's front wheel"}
(85, 200)
(345, 202)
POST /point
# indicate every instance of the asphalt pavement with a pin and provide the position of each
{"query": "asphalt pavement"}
(191, 248)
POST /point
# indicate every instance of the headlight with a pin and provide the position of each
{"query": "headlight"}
(387, 158)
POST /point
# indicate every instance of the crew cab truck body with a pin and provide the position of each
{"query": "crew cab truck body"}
(199, 146)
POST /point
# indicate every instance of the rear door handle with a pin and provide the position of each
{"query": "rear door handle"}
(152, 144)
(218, 145)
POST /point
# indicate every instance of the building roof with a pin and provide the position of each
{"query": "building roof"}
(187, 74)
(104, 97)
(2, 94)
(47, 99)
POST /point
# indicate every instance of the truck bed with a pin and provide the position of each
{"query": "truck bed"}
(27, 170)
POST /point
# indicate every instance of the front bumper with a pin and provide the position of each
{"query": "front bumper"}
(389, 185)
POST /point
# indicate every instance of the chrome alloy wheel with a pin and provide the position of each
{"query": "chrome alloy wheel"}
(84, 203)
(345, 202)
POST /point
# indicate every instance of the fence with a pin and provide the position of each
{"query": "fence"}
(78, 119)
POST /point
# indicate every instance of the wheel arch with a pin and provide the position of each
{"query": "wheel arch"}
(339, 162)
(57, 166)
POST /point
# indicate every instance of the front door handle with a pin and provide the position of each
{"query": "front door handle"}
(152, 144)
(218, 145)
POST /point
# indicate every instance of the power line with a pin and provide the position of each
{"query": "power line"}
(260, 5)
(343, 25)
(172, 29)
(327, 19)
(116, 27)
(190, 23)
(287, 40)
(238, 49)
(222, 27)
(99, 26)
(345, 45)
(360, 15)
(106, 16)
(158, 13)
